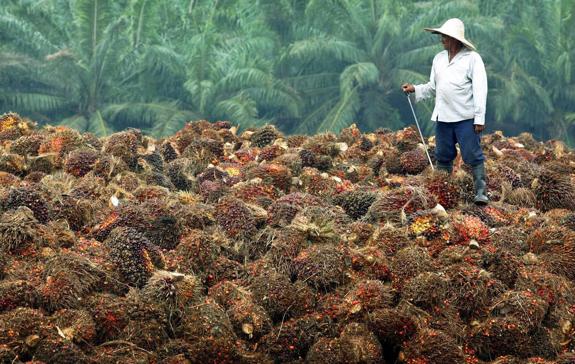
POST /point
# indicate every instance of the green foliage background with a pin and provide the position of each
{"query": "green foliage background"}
(307, 66)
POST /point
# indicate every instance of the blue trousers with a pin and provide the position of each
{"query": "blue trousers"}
(462, 132)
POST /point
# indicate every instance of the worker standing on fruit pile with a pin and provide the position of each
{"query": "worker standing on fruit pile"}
(459, 83)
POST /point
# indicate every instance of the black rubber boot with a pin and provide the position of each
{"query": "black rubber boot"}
(480, 185)
(447, 167)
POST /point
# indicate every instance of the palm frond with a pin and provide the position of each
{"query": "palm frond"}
(143, 21)
(240, 109)
(77, 122)
(358, 75)
(23, 37)
(92, 17)
(98, 126)
(162, 118)
(344, 112)
(321, 48)
(31, 101)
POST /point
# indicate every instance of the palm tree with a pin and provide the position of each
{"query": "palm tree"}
(81, 63)
(349, 57)
(230, 66)
(533, 84)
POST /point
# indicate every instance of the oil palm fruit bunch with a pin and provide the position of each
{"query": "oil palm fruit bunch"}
(134, 256)
(355, 203)
(554, 190)
(264, 136)
(413, 161)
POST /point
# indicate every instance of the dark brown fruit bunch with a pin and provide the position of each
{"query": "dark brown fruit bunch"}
(134, 255)
(29, 197)
(308, 158)
(408, 263)
(18, 230)
(355, 203)
(413, 161)
(235, 218)
(281, 299)
(433, 346)
(554, 191)
(68, 279)
(264, 136)
(320, 266)
(27, 145)
(124, 145)
(17, 294)
(295, 337)
(356, 344)
(80, 162)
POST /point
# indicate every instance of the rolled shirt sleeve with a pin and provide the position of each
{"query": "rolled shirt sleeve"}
(479, 86)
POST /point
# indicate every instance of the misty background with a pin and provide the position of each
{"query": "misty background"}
(307, 66)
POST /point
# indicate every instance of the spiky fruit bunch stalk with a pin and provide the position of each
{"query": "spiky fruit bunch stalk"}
(68, 279)
(472, 289)
(554, 190)
(134, 255)
(18, 230)
(526, 307)
(173, 291)
(366, 296)
(77, 326)
(557, 253)
(250, 320)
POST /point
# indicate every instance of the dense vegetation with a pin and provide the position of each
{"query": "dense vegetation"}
(305, 65)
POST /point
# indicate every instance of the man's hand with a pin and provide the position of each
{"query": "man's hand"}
(407, 88)
(479, 128)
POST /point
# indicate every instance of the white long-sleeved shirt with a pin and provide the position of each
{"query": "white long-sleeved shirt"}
(459, 86)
